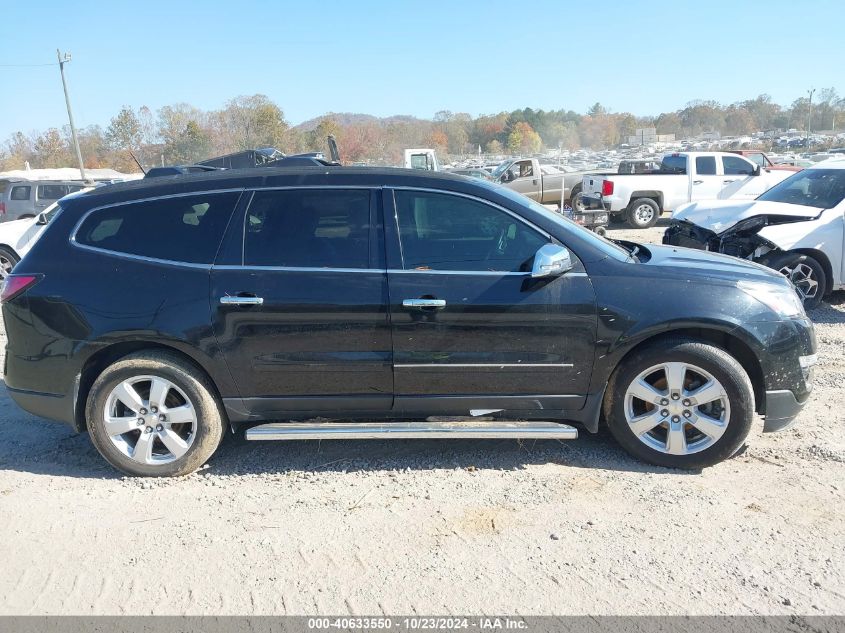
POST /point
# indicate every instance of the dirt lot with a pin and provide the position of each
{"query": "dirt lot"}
(433, 526)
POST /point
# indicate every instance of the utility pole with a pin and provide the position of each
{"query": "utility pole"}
(62, 61)
(809, 116)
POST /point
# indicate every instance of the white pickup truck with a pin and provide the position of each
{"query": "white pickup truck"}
(683, 177)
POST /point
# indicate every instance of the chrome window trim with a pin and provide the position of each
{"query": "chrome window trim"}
(299, 269)
(465, 365)
(155, 260)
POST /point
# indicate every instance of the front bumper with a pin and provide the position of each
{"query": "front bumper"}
(782, 409)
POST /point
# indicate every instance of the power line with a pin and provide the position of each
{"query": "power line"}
(26, 65)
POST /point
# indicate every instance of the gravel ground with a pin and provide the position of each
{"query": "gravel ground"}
(369, 527)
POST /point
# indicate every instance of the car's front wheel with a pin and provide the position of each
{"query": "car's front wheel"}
(154, 414)
(809, 279)
(680, 403)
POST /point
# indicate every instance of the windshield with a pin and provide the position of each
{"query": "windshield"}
(819, 188)
(500, 168)
(610, 248)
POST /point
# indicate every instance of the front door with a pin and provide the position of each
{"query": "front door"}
(301, 311)
(525, 180)
(471, 328)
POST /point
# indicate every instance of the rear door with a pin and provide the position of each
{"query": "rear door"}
(299, 303)
(471, 328)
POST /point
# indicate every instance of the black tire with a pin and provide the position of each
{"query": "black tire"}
(8, 259)
(573, 199)
(642, 213)
(800, 277)
(721, 365)
(617, 218)
(209, 413)
(600, 230)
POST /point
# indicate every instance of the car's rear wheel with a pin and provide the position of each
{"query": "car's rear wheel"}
(575, 200)
(154, 414)
(809, 279)
(8, 259)
(680, 403)
(643, 213)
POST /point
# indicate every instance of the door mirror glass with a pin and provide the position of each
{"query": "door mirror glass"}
(551, 261)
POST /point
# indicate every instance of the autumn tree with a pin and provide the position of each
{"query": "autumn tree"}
(524, 140)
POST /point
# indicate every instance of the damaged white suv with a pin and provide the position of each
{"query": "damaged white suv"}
(797, 227)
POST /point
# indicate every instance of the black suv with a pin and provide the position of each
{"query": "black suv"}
(386, 303)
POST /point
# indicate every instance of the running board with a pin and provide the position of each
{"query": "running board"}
(411, 430)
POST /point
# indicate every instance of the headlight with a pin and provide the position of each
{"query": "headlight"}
(780, 299)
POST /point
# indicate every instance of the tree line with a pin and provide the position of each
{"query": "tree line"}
(182, 133)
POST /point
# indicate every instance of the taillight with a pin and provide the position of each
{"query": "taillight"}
(3, 208)
(16, 284)
(607, 188)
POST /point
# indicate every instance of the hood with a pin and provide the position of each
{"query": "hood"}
(720, 215)
(692, 264)
(10, 232)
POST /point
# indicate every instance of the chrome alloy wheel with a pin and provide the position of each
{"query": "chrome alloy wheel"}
(6, 266)
(803, 278)
(677, 408)
(644, 213)
(150, 420)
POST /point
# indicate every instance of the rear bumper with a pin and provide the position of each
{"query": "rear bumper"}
(46, 405)
(782, 409)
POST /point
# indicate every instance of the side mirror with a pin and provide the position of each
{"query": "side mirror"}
(551, 261)
(42, 219)
(757, 171)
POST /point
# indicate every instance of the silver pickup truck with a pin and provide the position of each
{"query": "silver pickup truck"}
(545, 184)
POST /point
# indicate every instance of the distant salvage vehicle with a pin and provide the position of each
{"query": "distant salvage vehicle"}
(545, 184)
(424, 158)
(796, 227)
(683, 177)
(27, 198)
(761, 158)
(18, 236)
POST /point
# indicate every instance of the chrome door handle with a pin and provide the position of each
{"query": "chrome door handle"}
(697, 182)
(241, 301)
(424, 303)
(726, 182)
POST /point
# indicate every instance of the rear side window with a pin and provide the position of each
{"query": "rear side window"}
(674, 165)
(736, 166)
(308, 228)
(182, 228)
(20, 192)
(705, 165)
(51, 192)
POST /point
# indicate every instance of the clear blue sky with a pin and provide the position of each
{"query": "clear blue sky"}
(394, 57)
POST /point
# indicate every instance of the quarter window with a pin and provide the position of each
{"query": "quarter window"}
(447, 232)
(21, 192)
(51, 192)
(308, 228)
(182, 228)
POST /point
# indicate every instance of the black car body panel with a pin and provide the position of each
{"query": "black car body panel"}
(338, 342)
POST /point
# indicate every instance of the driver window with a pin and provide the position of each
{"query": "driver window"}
(526, 170)
(447, 232)
(736, 166)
